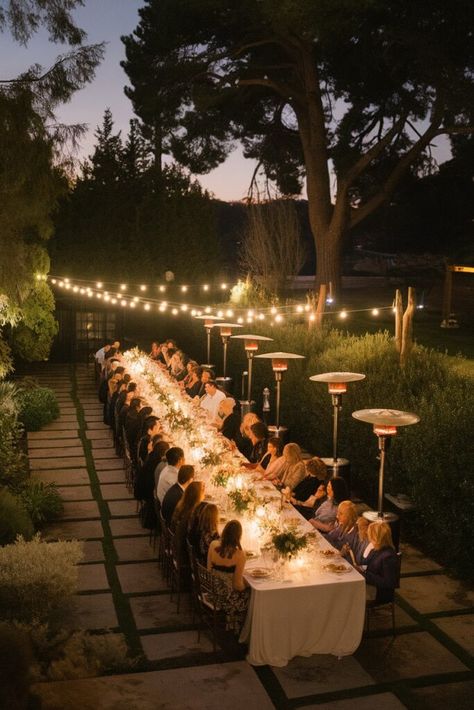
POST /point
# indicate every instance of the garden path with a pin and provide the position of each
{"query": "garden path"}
(428, 664)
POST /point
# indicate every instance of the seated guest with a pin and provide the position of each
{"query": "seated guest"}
(173, 495)
(206, 375)
(122, 409)
(228, 419)
(155, 351)
(227, 560)
(345, 530)
(150, 427)
(183, 512)
(190, 366)
(193, 384)
(168, 348)
(311, 491)
(355, 551)
(132, 424)
(381, 567)
(294, 471)
(211, 400)
(178, 366)
(243, 442)
(203, 530)
(324, 518)
(259, 441)
(275, 462)
(169, 474)
(162, 463)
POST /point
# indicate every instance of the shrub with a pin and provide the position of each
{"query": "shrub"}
(65, 654)
(37, 578)
(42, 501)
(14, 519)
(15, 661)
(13, 463)
(38, 407)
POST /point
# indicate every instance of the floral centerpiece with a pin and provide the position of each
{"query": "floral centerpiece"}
(211, 458)
(221, 478)
(243, 499)
(288, 542)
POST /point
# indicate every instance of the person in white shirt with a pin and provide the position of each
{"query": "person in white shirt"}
(169, 475)
(212, 399)
(100, 354)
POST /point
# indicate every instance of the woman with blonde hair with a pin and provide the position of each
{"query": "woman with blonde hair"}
(242, 440)
(294, 471)
(380, 563)
(345, 531)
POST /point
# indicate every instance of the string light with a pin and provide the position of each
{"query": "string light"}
(123, 287)
(278, 318)
(343, 314)
(146, 306)
(143, 287)
(184, 289)
(99, 284)
(162, 288)
(205, 287)
(375, 311)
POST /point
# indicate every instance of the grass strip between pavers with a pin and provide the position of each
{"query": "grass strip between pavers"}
(122, 606)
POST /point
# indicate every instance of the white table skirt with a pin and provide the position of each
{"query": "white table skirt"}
(298, 621)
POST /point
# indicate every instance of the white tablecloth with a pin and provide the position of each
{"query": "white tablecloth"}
(312, 611)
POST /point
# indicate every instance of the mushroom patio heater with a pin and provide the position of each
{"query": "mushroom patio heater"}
(251, 345)
(385, 423)
(209, 322)
(225, 330)
(337, 386)
(279, 366)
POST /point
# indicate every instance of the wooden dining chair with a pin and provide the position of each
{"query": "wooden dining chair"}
(209, 599)
(372, 605)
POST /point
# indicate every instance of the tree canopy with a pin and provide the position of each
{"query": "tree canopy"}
(32, 177)
(361, 87)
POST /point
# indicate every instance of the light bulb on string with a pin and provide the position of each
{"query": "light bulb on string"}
(278, 318)
(146, 306)
(261, 316)
(273, 310)
(53, 281)
(184, 289)
(123, 287)
(343, 314)
(184, 307)
(143, 287)
(299, 309)
(162, 288)
(207, 309)
(76, 289)
(99, 284)
(223, 287)
(229, 313)
(375, 311)
(205, 287)
(175, 311)
(66, 281)
(123, 302)
(132, 304)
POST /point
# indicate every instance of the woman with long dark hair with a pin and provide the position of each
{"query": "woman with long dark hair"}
(227, 560)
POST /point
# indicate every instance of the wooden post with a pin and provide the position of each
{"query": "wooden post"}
(398, 320)
(321, 306)
(407, 327)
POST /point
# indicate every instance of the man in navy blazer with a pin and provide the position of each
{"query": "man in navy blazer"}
(175, 493)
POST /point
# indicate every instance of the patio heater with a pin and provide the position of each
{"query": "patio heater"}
(251, 345)
(225, 330)
(209, 322)
(385, 423)
(279, 366)
(337, 386)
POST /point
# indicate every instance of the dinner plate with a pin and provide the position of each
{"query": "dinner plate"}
(328, 553)
(259, 572)
(337, 569)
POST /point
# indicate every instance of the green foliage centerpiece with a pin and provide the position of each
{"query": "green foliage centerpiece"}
(221, 478)
(288, 542)
(243, 500)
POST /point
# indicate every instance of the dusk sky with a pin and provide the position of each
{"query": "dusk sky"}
(107, 20)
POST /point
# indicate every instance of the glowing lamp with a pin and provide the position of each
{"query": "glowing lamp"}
(226, 331)
(385, 423)
(279, 366)
(251, 345)
(337, 387)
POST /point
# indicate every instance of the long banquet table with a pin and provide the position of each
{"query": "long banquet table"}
(312, 609)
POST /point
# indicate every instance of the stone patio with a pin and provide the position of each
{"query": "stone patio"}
(428, 664)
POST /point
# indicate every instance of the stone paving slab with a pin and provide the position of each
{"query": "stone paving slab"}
(93, 551)
(65, 462)
(120, 508)
(92, 578)
(321, 674)
(70, 477)
(67, 410)
(59, 443)
(108, 453)
(140, 577)
(232, 686)
(436, 593)
(68, 493)
(52, 435)
(115, 491)
(67, 424)
(381, 618)
(99, 426)
(175, 644)
(108, 464)
(62, 419)
(93, 611)
(114, 476)
(460, 629)
(380, 701)
(449, 696)
(93, 409)
(415, 561)
(124, 527)
(56, 451)
(406, 656)
(158, 612)
(98, 444)
(134, 549)
(80, 530)
(100, 434)
(81, 510)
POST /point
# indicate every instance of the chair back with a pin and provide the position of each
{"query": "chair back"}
(399, 569)
(208, 585)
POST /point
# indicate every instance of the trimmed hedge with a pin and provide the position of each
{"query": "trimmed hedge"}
(431, 461)
(14, 519)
